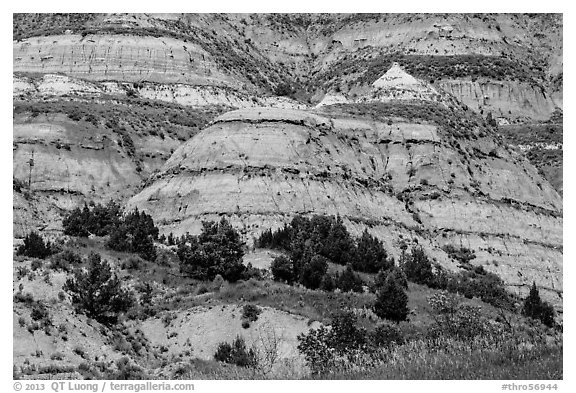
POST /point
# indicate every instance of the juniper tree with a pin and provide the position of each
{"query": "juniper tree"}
(97, 292)
(391, 300)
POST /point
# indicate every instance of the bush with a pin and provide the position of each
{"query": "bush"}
(488, 287)
(65, 261)
(35, 265)
(250, 312)
(39, 312)
(217, 250)
(462, 254)
(322, 347)
(97, 292)
(535, 308)
(461, 321)
(35, 247)
(283, 269)
(391, 300)
(126, 371)
(236, 353)
(385, 336)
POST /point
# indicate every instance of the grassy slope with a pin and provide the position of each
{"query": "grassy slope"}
(177, 296)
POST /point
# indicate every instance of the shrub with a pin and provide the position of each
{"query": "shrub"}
(65, 261)
(236, 353)
(462, 254)
(486, 286)
(282, 269)
(126, 371)
(97, 292)
(535, 308)
(39, 312)
(36, 264)
(391, 300)
(217, 250)
(132, 263)
(321, 347)
(35, 247)
(462, 321)
(250, 312)
(385, 336)
(315, 346)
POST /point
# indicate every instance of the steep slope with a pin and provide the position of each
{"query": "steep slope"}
(410, 172)
(73, 142)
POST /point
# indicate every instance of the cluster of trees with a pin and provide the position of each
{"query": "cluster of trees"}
(311, 243)
(131, 232)
(217, 250)
(471, 282)
(96, 219)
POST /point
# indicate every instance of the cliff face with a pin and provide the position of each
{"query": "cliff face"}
(514, 59)
(405, 180)
(504, 99)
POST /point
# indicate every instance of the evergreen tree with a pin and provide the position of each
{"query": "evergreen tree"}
(217, 250)
(97, 292)
(391, 301)
(535, 308)
(417, 267)
(348, 281)
(370, 256)
(313, 272)
(75, 223)
(338, 246)
(34, 247)
(396, 272)
(282, 269)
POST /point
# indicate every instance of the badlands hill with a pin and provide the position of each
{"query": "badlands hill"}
(260, 117)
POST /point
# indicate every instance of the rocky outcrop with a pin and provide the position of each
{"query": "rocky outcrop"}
(119, 58)
(405, 181)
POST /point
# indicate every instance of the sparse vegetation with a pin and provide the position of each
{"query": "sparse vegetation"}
(236, 353)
